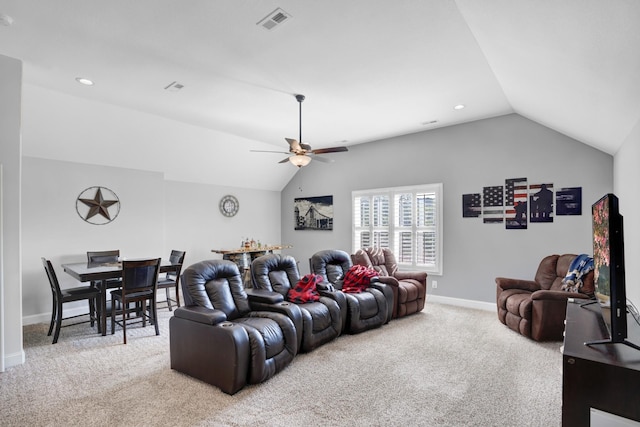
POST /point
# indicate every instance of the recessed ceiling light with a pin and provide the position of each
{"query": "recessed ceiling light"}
(458, 107)
(84, 81)
(5, 20)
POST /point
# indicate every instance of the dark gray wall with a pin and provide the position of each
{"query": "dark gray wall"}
(465, 158)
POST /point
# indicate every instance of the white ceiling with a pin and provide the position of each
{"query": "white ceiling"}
(370, 69)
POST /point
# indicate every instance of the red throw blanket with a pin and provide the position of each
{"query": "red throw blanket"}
(305, 290)
(357, 279)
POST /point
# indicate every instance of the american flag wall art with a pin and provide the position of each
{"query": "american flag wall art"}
(569, 201)
(493, 204)
(471, 205)
(541, 202)
(515, 200)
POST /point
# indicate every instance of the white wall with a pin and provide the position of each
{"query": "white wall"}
(53, 229)
(155, 217)
(465, 158)
(626, 180)
(11, 352)
(193, 221)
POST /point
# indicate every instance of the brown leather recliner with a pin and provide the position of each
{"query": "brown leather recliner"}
(409, 287)
(321, 320)
(362, 311)
(537, 308)
(219, 337)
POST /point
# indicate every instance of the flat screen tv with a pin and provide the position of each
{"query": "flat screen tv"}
(609, 274)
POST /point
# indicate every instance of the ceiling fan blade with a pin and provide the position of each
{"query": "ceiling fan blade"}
(323, 159)
(329, 150)
(305, 147)
(285, 160)
(294, 145)
(268, 151)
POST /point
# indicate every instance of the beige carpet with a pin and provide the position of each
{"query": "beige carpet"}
(447, 366)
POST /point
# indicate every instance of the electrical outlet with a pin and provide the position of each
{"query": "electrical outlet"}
(434, 284)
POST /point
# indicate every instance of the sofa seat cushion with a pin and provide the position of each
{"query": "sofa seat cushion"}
(367, 303)
(408, 290)
(320, 314)
(518, 324)
(266, 330)
(520, 305)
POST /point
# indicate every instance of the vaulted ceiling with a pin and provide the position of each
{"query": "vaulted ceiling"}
(370, 69)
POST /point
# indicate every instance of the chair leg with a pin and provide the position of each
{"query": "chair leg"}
(98, 304)
(143, 314)
(125, 305)
(177, 296)
(56, 334)
(154, 308)
(53, 316)
(113, 316)
(168, 298)
(92, 311)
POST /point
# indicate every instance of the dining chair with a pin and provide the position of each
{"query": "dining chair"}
(61, 296)
(172, 278)
(139, 286)
(103, 257)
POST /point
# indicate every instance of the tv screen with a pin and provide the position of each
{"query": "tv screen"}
(608, 261)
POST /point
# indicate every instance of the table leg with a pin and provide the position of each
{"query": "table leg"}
(103, 309)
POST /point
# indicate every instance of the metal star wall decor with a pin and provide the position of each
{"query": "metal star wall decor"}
(98, 205)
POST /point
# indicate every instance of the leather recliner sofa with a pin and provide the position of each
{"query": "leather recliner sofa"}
(409, 287)
(365, 310)
(537, 308)
(217, 336)
(321, 320)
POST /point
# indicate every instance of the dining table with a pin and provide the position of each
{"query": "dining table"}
(99, 273)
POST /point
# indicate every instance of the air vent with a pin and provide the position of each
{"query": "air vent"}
(174, 87)
(275, 18)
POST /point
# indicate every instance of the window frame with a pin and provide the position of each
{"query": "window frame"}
(393, 228)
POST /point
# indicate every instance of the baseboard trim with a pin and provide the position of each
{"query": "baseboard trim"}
(480, 305)
(46, 317)
(68, 312)
(14, 359)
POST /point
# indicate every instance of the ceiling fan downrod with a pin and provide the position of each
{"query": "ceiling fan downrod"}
(300, 98)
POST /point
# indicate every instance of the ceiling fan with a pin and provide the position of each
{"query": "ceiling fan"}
(302, 153)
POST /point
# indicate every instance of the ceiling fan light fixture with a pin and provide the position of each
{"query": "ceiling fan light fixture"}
(84, 81)
(300, 160)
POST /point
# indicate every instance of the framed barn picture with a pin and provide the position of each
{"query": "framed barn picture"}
(313, 213)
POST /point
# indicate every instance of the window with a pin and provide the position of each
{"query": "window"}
(407, 220)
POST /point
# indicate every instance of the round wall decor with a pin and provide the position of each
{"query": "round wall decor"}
(98, 205)
(229, 205)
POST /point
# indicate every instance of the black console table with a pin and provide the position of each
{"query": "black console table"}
(604, 377)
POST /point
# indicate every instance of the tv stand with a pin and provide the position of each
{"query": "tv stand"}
(625, 342)
(602, 377)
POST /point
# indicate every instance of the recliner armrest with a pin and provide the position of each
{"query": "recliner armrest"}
(556, 295)
(200, 314)
(525, 285)
(325, 286)
(389, 280)
(420, 276)
(264, 296)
